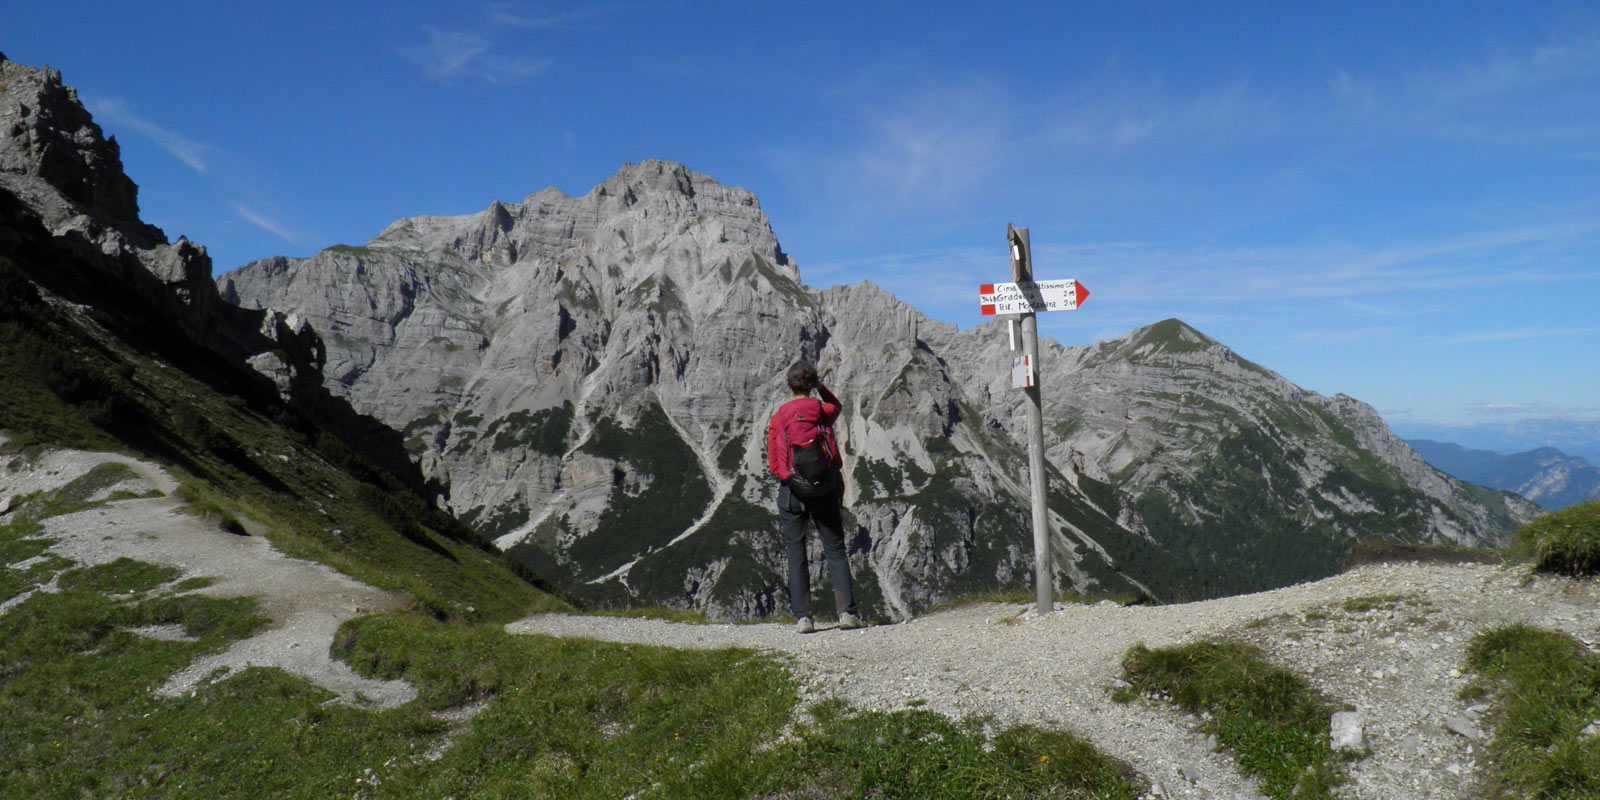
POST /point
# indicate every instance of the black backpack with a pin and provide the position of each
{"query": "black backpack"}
(811, 472)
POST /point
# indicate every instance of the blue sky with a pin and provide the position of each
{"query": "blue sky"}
(1397, 201)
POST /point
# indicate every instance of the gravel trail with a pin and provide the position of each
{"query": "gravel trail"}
(306, 602)
(1389, 640)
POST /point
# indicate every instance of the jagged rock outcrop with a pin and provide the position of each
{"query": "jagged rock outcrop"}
(592, 375)
(57, 164)
(69, 217)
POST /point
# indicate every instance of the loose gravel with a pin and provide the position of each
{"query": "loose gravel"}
(1388, 640)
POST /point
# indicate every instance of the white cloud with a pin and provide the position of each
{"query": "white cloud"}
(511, 15)
(262, 222)
(1531, 410)
(488, 49)
(1539, 94)
(1519, 335)
(189, 151)
(450, 54)
(1342, 336)
(1150, 273)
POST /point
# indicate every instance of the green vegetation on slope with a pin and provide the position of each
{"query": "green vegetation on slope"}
(66, 381)
(1566, 542)
(554, 718)
(1547, 689)
(1268, 716)
(543, 431)
(675, 495)
(1261, 532)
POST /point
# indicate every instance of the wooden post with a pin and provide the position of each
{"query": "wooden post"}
(1044, 568)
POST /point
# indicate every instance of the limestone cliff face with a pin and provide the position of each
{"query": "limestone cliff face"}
(592, 377)
(1234, 460)
(69, 216)
(58, 167)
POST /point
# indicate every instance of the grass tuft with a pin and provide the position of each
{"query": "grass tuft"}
(1387, 552)
(1546, 686)
(1268, 716)
(556, 718)
(1566, 542)
(123, 576)
(209, 504)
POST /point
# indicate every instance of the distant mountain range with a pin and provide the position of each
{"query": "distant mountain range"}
(1544, 475)
(587, 380)
(591, 376)
(1580, 438)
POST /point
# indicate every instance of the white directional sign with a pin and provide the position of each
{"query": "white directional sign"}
(1034, 296)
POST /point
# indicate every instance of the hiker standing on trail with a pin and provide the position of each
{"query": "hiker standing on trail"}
(803, 454)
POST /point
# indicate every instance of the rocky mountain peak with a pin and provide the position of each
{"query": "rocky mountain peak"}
(69, 221)
(649, 217)
(53, 154)
(591, 376)
(66, 177)
(1169, 336)
(652, 176)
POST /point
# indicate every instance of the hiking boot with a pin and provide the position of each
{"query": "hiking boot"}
(849, 621)
(805, 626)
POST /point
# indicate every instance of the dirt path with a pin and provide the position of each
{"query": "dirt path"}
(1387, 639)
(305, 601)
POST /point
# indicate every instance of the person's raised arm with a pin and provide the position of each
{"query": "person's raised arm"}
(830, 404)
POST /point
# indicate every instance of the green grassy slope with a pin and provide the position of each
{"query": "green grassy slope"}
(68, 379)
(497, 715)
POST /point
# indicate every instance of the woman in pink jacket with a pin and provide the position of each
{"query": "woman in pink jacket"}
(800, 423)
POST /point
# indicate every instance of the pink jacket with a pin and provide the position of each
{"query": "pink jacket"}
(795, 421)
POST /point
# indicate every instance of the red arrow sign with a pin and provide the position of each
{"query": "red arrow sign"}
(1030, 296)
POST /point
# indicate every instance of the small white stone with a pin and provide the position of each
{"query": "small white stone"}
(1346, 730)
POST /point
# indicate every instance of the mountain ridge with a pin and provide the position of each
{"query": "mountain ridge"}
(1545, 475)
(658, 312)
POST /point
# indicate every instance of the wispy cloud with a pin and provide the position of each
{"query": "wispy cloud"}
(1321, 271)
(1343, 336)
(492, 48)
(913, 144)
(116, 112)
(449, 54)
(261, 221)
(513, 15)
(1533, 95)
(1519, 335)
(1530, 410)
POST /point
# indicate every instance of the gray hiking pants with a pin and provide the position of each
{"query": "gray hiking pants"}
(824, 511)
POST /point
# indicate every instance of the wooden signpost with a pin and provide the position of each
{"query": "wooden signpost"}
(1026, 297)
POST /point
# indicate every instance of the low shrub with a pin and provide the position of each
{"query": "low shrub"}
(1566, 542)
(1276, 726)
(1546, 688)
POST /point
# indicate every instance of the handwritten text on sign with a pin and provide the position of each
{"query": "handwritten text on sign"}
(1025, 297)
